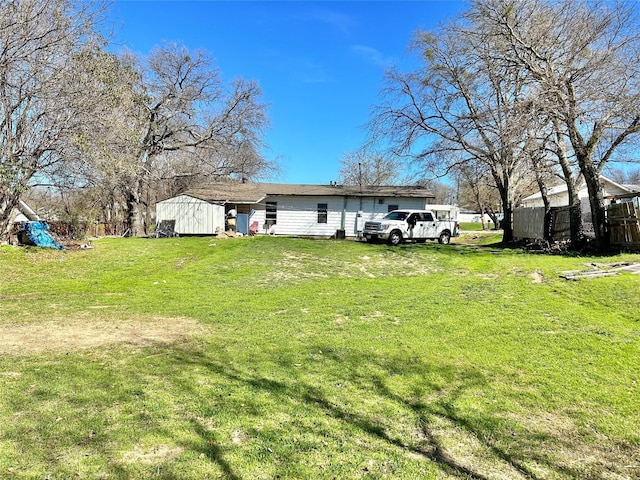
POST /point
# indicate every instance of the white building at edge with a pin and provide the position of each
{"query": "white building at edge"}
(559, 196)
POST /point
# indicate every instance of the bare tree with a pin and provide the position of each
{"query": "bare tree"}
(38, 107)
(444, 193)
(477, 189)
(625, 177)
(461, 106)
(171, 117)
(365, 168)
(584, 57)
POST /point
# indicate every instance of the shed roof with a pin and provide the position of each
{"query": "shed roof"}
(257, 192)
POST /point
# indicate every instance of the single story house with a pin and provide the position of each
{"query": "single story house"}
(558, 196)
(287, 209)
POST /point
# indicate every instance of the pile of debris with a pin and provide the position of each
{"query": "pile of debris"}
(37, 234)
(602, 270)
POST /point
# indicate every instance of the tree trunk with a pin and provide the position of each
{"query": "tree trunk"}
(596, 202)
(492, 215)
(7, 204)
(4, 222)
(547, 208)
(572, 185)
(135, 224)
(507, 218)
(482, 219)
(504, 188)
(507, 221)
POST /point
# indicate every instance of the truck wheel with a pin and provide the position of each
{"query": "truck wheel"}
(395, 238)
(445, 238)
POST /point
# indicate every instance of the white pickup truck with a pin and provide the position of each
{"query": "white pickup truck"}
(410, 225)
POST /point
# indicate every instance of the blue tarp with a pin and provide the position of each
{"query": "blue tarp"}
(38, 235)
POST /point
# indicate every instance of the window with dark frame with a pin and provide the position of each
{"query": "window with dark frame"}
(391, 208)
(322, 212)
(271, 213)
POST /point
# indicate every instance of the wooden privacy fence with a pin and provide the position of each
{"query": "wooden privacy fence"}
(560, 223)
(530, 223)
(624, 226)
(623, 219)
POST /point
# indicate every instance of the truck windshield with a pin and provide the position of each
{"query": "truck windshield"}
(396, 215)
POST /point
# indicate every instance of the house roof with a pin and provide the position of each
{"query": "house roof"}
(562, 188)
(257, 192)
(24, 213)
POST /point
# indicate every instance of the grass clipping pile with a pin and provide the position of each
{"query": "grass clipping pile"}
(69, 335)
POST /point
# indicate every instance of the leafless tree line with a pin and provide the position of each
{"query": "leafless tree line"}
(117, 130)
(521, 92)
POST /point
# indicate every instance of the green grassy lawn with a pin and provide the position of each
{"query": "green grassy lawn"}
(265, 357)
(470, 226)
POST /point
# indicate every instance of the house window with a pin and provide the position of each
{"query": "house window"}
(322, 212)
(391, 208)
(271, 213)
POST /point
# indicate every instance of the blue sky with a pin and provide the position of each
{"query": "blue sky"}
(320, 64)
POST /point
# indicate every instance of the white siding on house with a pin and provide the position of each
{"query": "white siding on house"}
(192, 216)
(298, 215)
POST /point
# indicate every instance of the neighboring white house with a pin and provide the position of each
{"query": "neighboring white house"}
(288, 209)
(558, 196)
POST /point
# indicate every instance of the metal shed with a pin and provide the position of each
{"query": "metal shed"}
(192, 215)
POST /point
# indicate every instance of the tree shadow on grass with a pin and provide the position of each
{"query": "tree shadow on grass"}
(209, 446)
(369, 375)
(432, 394)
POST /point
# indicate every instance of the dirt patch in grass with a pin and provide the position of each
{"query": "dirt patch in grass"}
(68, 335)
(536, 277)
(155, 455)
(295, 267)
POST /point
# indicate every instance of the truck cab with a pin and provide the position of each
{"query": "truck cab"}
(410, 225)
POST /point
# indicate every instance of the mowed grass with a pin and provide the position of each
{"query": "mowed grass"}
(470, 226)
(266, 357)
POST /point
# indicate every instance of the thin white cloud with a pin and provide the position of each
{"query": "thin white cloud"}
(339, 21)
(372, 55)
(308, 71)
(298, 69)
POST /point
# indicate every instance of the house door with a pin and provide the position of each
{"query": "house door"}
(242, 225)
